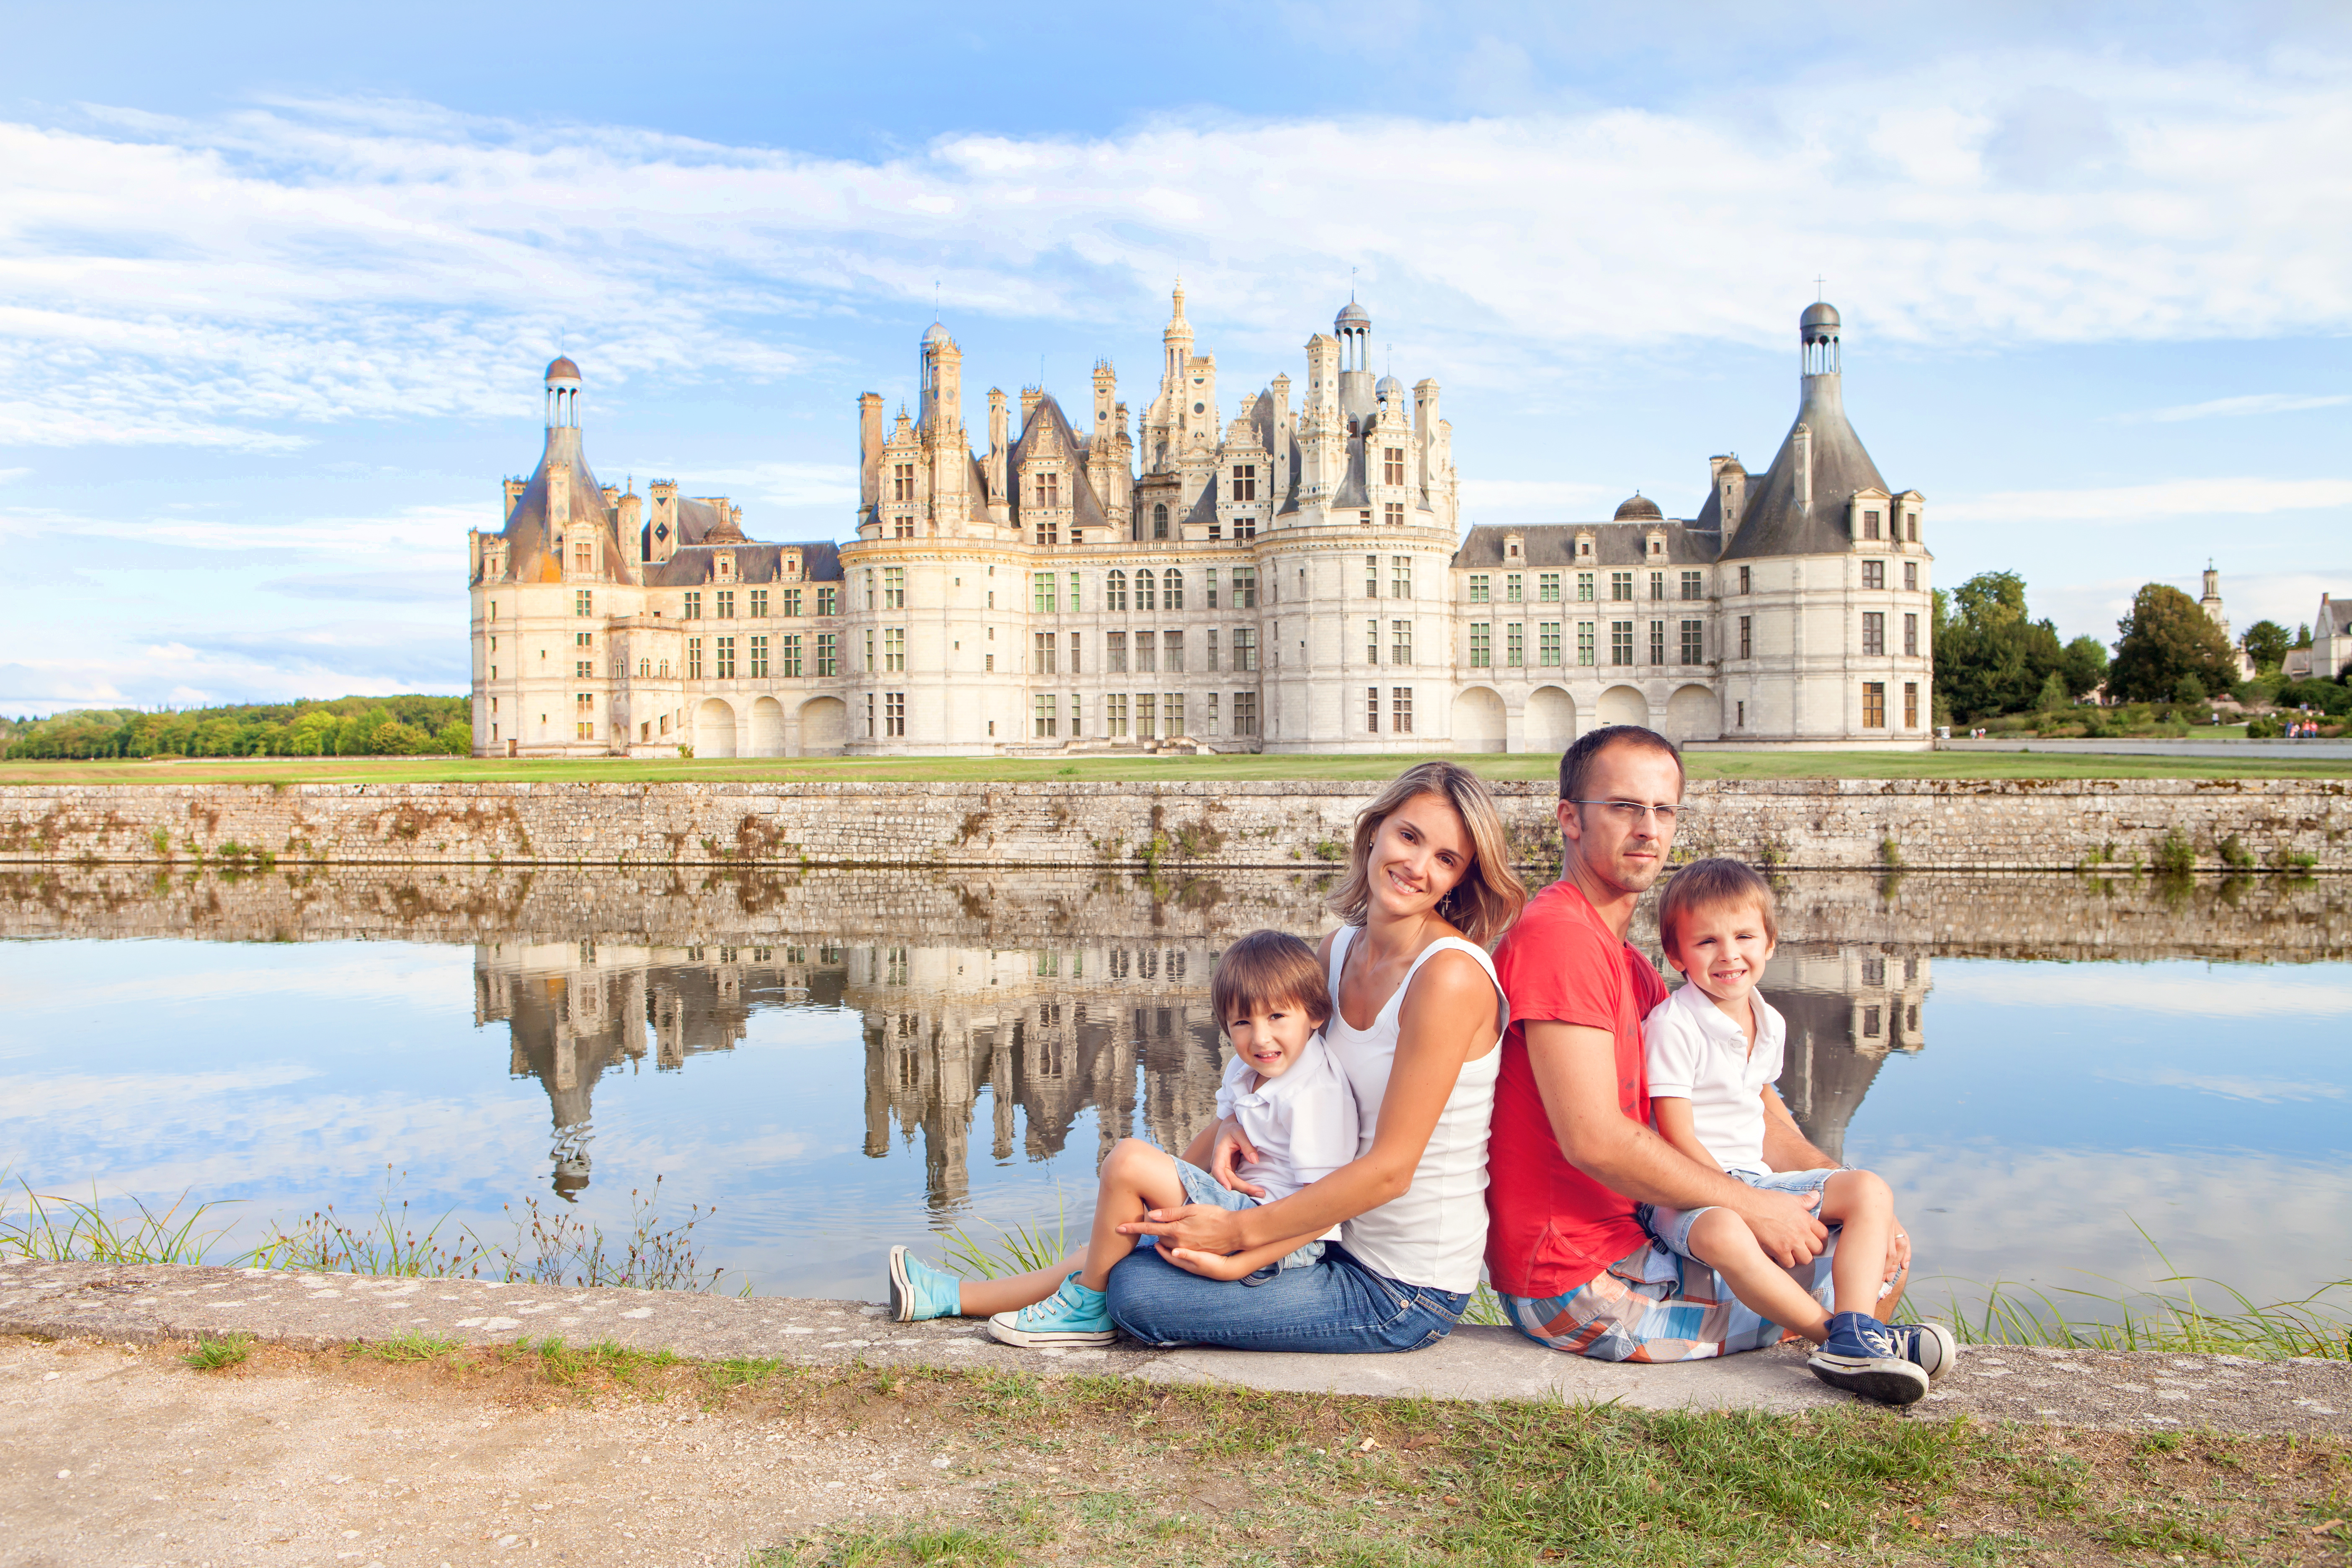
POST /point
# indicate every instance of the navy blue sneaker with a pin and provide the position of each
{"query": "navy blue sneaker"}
(1932, 1346)
(1870, 1358)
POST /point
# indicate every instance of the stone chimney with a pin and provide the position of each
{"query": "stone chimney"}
(1801, 451)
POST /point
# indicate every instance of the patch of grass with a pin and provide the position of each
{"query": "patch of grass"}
(54, 1229)
(410, 1345)
(928, 1545)
(2174, 856)
(216, 1355)
(1016, 1249)
(740, 1371)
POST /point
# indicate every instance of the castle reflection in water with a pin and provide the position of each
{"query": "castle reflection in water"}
(1046, 1033)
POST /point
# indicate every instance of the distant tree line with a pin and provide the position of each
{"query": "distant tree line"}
(1991, 657)
(345, 727)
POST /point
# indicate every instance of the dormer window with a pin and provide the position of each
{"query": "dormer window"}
(1657, 544)
(1870, 525)
(583, 556)
(1584, 547)
(725, 567)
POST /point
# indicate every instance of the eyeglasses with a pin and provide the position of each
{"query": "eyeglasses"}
(1633, 812)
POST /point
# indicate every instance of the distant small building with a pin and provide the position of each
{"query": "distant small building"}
(2330, 653)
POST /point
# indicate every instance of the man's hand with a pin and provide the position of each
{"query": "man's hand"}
(1786, 1226)
(1234, 1148)
(1898, 1254)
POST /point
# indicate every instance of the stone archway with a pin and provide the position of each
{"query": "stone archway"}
(767, 728)
(1479, 721)
(1694, 714)
(824, 726)
(1624, 705)
(714, 728)
(1551, 719)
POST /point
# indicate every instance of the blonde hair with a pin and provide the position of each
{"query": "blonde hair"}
(1714, 884)
(1487, 899)
(1268, 967)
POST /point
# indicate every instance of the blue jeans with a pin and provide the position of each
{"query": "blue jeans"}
(1201, 1187)
(1336, 1306)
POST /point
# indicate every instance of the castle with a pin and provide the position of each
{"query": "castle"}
(1279, 578)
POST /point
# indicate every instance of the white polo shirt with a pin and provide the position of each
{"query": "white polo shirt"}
(1696, 1053)
(1303, 1123)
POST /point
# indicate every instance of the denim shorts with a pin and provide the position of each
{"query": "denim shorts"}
(1203, 1188)
(1670, 1228)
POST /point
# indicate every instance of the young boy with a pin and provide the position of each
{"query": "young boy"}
(1714, 1051)
(1284, 1089)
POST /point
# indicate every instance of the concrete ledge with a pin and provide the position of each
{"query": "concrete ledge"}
(2076, 1388)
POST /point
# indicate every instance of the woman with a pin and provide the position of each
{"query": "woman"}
(1418, 1021)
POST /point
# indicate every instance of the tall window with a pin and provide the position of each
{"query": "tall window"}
(1041, 654)
(1620, 642)
(725, 659)
(583, 603)
(758, 659)
(1400, 642)
(1244, 658)
(1245, 482)
(1160, 520)
(894, 713)
(788, 655)
(1172, 590)
(1658, 586)
(1693, 585)
(1171, 649)
(1911, 576)
(1746, 636)
(1481, 586)
(894, 588)
(1911, 527)
(1400, 576)
(1620, 588)
(1147, 715)
(1041, 592)
(1245, 588)
(1515, 644)
(1211, 728)
(1145, 595)
(1371, 642)
(1481, 644)
(1547, 644)
(725, 597)
(1692, 653)
(1049, 488)
(1372, 710)
(1393, 513)
(1515, 588)
(694, 659)
(1392, 464)
(1873, 633)
(894, 649)
(1114, 591)
(1584, 644)
(1074, 593)
(1584, 587)
(1873, 573)
(1400, 709)
(828, 653)
(870, 650)
(1147, 652)
(902, 482)
(828, 600)
(1245, 712)
(1657, 642)
(583, 556)
(1115, 715)
(1075, 668)
(1873, 705)
(1743, 579)
(1870, 525)
(870, 600)
(1911, 636)
(759, 603)
(1910, 704)
(1371, 577)
(1117, 647)
(1245, 526)
(1547, 587)
(1171, 712)
(903, 526)
(1211, 666)
(1048, 715)
(792, 601)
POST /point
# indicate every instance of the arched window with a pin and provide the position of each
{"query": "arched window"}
(1143, 600)
(1114, 591)
(1171, 588)
(644, 669)
(1159, 520)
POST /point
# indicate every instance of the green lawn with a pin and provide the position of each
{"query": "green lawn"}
(1540, 765)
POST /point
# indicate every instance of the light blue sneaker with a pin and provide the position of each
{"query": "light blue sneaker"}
(1072, 1315)
(917, 1291)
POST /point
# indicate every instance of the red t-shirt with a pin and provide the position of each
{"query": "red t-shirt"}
(1552, 1226)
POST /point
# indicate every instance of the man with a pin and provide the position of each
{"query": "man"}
(1572, 1151)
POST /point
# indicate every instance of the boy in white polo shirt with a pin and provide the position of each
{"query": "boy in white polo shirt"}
(1283, 1089)
(1713, 1050)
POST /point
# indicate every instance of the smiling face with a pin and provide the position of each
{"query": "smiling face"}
(1623, 852)
(1420, 852)
(1722, 949)
(1269, 1035)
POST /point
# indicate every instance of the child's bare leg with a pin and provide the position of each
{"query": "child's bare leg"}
(985, 1298)
(1863, 1207)
(1721, 1239)
(1135, 1176)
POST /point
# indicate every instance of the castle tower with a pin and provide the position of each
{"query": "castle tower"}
(2212, 600)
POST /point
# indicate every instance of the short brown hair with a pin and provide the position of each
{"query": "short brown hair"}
(1577, 761)
(1489, 896)
(1269, 966)
(1714, 884)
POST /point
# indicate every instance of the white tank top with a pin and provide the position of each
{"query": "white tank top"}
(1434, 1233)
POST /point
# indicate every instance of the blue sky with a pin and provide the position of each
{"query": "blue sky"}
(276, 285)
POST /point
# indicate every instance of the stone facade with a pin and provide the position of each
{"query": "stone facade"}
(1264, 577)
(1828, 823)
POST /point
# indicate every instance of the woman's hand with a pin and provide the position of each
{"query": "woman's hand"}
(1203, 1228)
(1208, 1265)
(1233, 1149)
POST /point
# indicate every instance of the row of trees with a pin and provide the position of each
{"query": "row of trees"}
(346, 727)
(1992, 658)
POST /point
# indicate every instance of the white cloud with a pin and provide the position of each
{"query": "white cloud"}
(233, 280)
(2234, 407)
(2243, 497)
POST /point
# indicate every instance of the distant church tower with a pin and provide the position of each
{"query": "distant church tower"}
(2212, 600)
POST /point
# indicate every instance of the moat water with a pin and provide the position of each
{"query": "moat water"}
(2053, 1072)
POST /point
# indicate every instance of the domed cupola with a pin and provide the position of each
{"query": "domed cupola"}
(1639, 507)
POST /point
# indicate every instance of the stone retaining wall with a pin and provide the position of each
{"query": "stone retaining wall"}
(1798, 823)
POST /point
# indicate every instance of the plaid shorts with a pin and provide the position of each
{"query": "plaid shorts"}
(1652, 1306)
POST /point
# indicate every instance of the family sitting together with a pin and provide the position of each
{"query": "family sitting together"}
(1402, 1109)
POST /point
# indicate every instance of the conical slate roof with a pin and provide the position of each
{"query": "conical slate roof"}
(1773, 523)
(531, 534)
